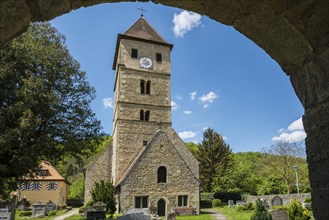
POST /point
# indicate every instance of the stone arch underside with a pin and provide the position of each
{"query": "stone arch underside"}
(294, 33)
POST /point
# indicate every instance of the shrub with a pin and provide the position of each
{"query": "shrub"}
(280, 207)
(261, 212)
(216, 203)
(103, 191)
(241, 208)
(308, 200)
(297, 212)
(52, 213)
(82, 209)
(90, 203)
(250, 206)
(244, 196)
(225, 196)
(25, 213)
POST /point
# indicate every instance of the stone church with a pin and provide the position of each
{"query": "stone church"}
(147, 161)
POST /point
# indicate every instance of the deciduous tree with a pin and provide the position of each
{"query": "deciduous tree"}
(44, 103)
(280, 159)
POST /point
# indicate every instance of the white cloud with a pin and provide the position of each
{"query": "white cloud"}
(188, 112)
(193, 94)
(179, 97)
(174, 106)
(296, 125)
(295, 136)
(294, 133)
(108, 102)
(186, 134)
(208, 98)
(185, 22)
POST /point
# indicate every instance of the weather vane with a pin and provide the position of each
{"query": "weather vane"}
(142, 10)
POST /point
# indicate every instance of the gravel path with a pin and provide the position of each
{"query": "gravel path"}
(74, 211)
(217, 215)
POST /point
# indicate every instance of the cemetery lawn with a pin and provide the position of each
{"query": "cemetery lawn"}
(195, 217)
(74, 217)
(233, 213)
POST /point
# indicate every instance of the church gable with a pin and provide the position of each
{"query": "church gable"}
(159, 172)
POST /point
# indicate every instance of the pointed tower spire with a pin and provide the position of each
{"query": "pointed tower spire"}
(141, 30)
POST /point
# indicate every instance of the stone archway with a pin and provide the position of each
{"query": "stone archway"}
(294, 33)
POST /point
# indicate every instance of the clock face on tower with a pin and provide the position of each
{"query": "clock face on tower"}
(145, 62)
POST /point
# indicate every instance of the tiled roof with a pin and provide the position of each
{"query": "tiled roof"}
(52, 173)
(142, 29)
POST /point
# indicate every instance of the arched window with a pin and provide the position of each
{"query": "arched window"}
(147, 115)
(148, 87)
(141, 115)
(162, 174)
(142, 85)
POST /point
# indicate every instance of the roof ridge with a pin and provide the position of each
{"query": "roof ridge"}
(143, 29)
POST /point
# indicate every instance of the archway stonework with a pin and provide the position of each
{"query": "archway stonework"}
(294, 33)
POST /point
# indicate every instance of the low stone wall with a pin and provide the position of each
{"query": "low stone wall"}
(275, 200)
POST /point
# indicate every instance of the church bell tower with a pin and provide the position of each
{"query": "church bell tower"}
(142, 102)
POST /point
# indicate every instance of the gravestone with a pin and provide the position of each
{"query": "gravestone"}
(230, 203)
(279, 215)
(38, 210)
(50, 206)
(4, 214)
(96, 212)
(277, 201)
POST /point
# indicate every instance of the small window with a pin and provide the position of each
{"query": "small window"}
(141, 115)
(158, 57)
(148, 87)
(141, 202)
(43, 173)
(134, 53)
(25, 186)
(182, 200)
(147, 115)
(52, 186)
(162, 174)
(36, 186)
(142, 85)
(144, 143)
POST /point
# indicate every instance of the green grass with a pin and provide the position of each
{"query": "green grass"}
(233, 214)
(73, 217)
(195, 217)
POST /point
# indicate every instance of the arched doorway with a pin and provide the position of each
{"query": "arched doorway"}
(161, 208)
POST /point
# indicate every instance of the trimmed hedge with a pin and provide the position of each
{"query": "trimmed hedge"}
(225, 196)
(205, 204)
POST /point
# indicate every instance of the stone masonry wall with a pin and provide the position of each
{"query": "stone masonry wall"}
(142, 179)
(99, 169)
(129, 141)
(129, 132)
(285, 198)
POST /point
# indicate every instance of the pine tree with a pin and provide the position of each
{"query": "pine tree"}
(214, 156)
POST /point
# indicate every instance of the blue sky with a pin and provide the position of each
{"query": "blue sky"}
(220, 79)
